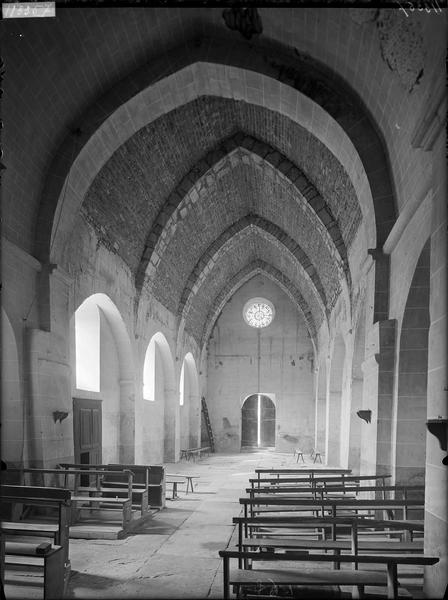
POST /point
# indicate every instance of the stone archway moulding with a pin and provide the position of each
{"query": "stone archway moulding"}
(239, 146)
(255, 268)
(167, 359)
(69, 183)
(243, 227)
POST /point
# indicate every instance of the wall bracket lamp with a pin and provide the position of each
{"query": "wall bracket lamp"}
(365, 415)
(59, 415)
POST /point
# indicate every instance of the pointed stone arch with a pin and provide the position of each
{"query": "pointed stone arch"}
(166, 394)
(212, 160)
(211, 256)
(125, 417)
(122, 114)
(190, 404)
(258, 266)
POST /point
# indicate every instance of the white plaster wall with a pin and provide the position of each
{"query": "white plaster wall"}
(286, 370)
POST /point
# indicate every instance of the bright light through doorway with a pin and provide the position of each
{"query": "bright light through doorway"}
(258, 420)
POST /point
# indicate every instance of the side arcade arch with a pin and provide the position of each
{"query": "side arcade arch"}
(189, 403)
(105, 376)
(157, 436)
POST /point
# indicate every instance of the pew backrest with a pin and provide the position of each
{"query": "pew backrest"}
(44, 497)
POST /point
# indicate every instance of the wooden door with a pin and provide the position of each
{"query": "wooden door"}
(267, 421)
(249, 422)
(87, 431)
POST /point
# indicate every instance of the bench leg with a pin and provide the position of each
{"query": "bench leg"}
(392, 581)
(127, 514)
(145, 504)
(337, 565)
(54, 576)
(358, 591)
(225, 577)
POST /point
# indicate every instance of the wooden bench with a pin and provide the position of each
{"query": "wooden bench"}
(116, 483)
(299, 471)
(26, 556)
(313, 479)
(334, 506)
(318, 576)
(343, 491)
(315, 454)
(354, 544)
(273, 526)
(95, 497)
(192, 453)
(157, 486)
(299, 454)
(59, 500)
(189, 479)
(338, 545)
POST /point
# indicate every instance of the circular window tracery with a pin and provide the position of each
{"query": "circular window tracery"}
(258, 312)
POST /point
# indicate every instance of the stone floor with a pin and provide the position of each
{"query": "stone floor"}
(174, 555)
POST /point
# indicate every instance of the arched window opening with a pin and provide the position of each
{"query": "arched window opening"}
(87, 340)
(182, 385)
(149, 372)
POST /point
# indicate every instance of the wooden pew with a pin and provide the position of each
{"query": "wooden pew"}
(156, 486)
(262, 539)
(298, 471)
(313, 479)
(115, 482)
(41, 497)
(287, 526)
(319, 576)
(338, 545)
(92, 498)
(118, 484)
(334, 506)
(26, 556)
(343, 491)
(284, 532)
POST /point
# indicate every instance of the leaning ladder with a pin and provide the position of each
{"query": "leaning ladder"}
(208, 425)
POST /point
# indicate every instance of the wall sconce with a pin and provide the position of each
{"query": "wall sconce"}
(439, 428)
(365, 415)
(59, 415)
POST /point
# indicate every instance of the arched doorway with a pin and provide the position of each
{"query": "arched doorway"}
(257, 422)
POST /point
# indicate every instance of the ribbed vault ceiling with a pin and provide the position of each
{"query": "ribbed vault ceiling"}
(194, 198)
